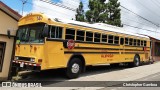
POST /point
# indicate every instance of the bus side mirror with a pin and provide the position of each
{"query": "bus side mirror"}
(45, 31)
(9, 34)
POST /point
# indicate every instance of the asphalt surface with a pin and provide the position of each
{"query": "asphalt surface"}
(98, 78)
(154, 78)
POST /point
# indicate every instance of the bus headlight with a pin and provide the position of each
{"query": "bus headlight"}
(32, 59)
(16, 58)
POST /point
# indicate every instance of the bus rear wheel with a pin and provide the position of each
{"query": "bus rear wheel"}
(136, 61)
(74, 68)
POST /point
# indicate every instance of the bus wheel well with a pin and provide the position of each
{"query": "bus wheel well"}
(137, 55)
(82, 60)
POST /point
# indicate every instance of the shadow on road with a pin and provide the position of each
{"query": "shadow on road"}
(58, 75)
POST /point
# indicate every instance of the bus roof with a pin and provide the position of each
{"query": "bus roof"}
(100, 26)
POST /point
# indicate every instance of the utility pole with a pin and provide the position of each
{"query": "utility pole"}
(23, 3)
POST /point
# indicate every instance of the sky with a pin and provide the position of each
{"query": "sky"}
(149, 9)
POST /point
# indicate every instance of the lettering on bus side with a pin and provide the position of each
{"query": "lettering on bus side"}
(128, 58)
(107, 55)
(30, 19)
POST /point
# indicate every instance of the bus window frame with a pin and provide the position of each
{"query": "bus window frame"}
(70, 34)
(111, 39)
(104, 38)
(142, 41)
(126, 40)
(116, 40)
(97, 38)
(79, 35)
(135, 43)
(131, 41)
(89, 37)
(50, 29)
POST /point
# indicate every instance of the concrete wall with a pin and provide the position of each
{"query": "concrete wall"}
(7, 22)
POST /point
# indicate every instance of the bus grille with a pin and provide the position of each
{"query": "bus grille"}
(24, 58)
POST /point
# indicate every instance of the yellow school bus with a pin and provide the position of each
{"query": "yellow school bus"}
(49, 43)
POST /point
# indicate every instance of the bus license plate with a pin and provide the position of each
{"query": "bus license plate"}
(22, 64)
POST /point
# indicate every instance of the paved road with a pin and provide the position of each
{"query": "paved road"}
(99, 73)
(59, 74)
(148, 79)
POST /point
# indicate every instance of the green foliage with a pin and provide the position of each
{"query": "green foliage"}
(114, 15)
(80, 13)
(101, 12)
(97, 12)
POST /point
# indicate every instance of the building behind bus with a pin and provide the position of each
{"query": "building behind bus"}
(8, 26)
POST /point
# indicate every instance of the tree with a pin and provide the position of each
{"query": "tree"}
(80, 13)
(114, 15)
(97, 12)
(101, 12)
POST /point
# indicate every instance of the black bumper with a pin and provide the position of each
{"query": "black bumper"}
(26, 67)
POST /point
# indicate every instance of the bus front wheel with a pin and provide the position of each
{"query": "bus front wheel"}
(74, 68)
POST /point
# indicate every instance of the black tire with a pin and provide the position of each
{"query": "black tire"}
(74, 68)
(136, 61)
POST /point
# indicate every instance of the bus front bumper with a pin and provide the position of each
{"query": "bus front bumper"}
(26, 66)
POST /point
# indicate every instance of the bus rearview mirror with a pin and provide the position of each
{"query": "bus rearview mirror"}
(45, 31)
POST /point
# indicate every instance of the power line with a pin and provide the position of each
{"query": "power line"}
(140, 28)
(139, 16)
(47, 8)
(123, 23)
(135, 17)
(147, 8)
(59, 5)
(137, 22)
(154, 2)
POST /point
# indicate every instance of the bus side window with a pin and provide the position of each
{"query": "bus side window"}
(116, 40)
(80, 35)
(131, 41)
(142, 43)
(145, 43)
(70, 33)
(126, 41)
(122, 41)
(135, 42)
(138, 42)
(104, 38)
(56, 32)
(89, 36)
(110, 39)
(97, 37)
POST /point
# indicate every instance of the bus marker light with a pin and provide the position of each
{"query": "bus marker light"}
(39, 60)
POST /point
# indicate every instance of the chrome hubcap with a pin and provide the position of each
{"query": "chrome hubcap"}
(75, 68)
(137, 61)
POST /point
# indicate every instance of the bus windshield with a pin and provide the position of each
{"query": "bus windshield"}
(30, 34)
